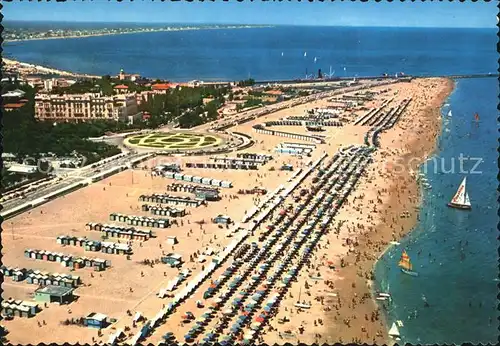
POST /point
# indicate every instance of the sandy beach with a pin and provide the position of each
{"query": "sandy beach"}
(373, 216)
(38, 69)
(335, 283)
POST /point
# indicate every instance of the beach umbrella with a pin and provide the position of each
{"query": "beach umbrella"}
(255, 326)
(259, 319)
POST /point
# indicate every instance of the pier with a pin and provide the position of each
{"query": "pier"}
(360, 78)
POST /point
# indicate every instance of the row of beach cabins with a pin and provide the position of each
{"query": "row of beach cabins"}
(371, 116)
(95, 245)
(67, 260)
(259, 128)
(140, 220)
(211, 165)
(164, 211)
(19, 308)
(246, 161)
(202, 193)
(38, 277)
(294, 148)
(384, 121)
(315, 122)
(196, 179)
(388, 121)
(255, 156)
(169, 199)
(115, 231)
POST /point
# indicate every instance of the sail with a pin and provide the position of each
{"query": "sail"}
(467, 200)
(449, 113)
(459, 197)
(394, 331)
(476, 116)
(404, 262)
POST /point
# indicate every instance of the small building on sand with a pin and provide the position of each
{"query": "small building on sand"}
(222, 219)
(57, 294)
(96, 320)
(172, 259)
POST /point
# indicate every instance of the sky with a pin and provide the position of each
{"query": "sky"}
(408, 14)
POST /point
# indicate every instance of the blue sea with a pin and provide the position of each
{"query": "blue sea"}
(269, 53)
(458, 249)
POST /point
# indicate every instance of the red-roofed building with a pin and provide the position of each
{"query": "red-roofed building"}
(12, 106)
(161, 87)
(121, 89)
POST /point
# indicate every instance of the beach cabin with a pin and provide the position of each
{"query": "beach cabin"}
(19, 275)
(172, 259)
(215, 182)
(226, 184)
(188, 178)
(95, 320)
(206, 181)
(207, 194)
(222, 219)
(58, 294)
(197, 179)
(172, 240)
(99, 265)
(172, 167)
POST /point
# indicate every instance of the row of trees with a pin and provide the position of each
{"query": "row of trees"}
(185, 105)
(246, 82)
(104, 85)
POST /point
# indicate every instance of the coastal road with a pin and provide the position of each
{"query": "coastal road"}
(68, 178)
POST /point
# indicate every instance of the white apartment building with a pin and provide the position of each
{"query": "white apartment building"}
(82, 107)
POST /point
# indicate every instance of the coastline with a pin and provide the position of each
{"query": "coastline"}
(430, 149)
(404, 195)
(39, 69)
(136, 32)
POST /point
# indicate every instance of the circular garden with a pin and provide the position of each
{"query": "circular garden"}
(173, 141)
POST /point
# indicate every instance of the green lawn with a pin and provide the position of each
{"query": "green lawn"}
(172, 140)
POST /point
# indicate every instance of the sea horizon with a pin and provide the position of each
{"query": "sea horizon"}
(245, 24)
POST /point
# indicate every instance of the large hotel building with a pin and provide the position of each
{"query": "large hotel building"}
(81, 107)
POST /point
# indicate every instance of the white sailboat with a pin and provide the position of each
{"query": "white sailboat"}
(305, 54)
(449, 113)
(461, 199)
(394, 331)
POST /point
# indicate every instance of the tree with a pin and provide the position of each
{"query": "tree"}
(246, 82)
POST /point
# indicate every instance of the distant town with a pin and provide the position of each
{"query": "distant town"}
(24, 34)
